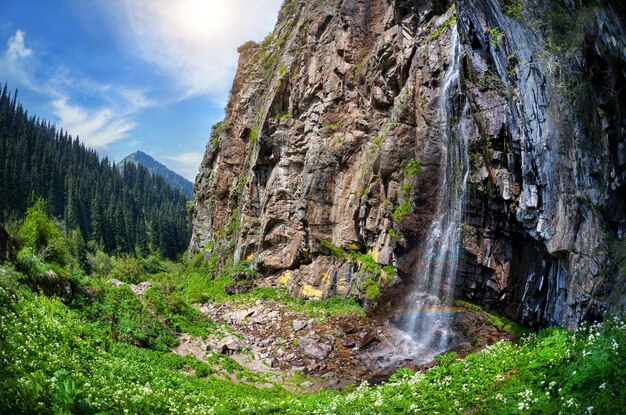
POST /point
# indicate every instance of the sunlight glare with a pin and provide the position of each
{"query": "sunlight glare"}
(200, 18)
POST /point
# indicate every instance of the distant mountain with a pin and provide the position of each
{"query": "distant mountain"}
(128, 211)
(172, 178)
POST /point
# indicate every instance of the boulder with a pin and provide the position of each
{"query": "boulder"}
(365, 337)
(228, 345)
(141, 288)
(313, 349)
(299, 325)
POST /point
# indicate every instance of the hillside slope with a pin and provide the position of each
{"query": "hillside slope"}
(171, 177)
(122, 212)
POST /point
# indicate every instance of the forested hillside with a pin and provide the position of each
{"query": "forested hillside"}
(171, 177)
(123, 212)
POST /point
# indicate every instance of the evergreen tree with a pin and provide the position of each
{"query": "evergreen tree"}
(89, 195)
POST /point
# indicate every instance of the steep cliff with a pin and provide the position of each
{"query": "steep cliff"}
(544, 82)
(327, 170)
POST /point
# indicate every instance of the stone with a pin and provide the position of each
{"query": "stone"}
(115, 282)
(266, 342)
(349, 341)
(239, 317)
(299, 325)
(347, 327)
(141, 288)
(365, 337)
(228, 345)
(313, 349)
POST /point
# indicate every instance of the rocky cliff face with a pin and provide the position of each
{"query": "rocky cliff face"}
(326, 171)
(549, 167)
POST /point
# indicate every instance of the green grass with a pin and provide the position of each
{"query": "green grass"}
(57, 359)
(333, 126)
(412, 168)
(363, 260)
(282, 116)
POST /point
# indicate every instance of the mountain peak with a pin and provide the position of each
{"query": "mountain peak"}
(155, 167)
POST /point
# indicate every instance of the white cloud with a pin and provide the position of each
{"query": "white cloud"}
(16, 48)
(185, 164)
(194, 41)
(97, 128)
(97, 125)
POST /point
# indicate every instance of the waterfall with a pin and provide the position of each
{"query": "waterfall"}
(429, 317)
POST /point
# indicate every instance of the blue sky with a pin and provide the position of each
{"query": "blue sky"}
(128, 75)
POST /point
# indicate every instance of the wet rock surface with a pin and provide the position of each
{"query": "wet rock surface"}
(547, 186)
(326, 114)
(331, 351)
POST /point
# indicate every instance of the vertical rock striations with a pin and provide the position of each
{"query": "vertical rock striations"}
(325, 173)
(549, 166)
(314, 173)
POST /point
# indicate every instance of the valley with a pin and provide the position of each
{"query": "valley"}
(408, 207)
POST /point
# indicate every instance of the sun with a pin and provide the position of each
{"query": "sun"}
(200, 18)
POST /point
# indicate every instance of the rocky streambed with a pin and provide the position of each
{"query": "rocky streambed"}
(310, 351)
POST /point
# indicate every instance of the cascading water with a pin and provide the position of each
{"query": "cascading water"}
(423, 330)
(428, 319)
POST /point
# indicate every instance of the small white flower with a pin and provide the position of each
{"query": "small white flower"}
(589, 409)
(603, 386)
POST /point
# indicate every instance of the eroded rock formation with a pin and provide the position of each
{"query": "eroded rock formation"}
(325, 172)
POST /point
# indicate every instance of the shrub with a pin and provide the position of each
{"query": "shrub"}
(249, 45)
(128, 269)
(403, 210)
(371, 289)
(442, 27)
(41, 234)
(30, 263)
(412, 168)
(512, 8)
(99, 262)
(495, 37)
